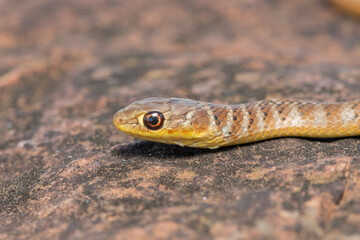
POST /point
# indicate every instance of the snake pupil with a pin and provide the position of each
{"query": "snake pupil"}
(153, 120)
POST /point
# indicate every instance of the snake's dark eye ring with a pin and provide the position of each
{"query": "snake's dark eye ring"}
(154, 120)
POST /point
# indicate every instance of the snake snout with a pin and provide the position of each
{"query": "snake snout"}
(125, 121)
(118, 119)
(122, 120)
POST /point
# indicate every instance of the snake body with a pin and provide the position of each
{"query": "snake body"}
(206, 125)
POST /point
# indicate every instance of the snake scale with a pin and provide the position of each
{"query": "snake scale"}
(192, 123)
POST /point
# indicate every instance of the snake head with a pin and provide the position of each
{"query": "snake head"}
(168, 120)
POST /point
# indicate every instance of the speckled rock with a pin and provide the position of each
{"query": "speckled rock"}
(67, 66)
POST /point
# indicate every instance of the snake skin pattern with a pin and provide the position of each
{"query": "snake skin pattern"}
(207, 125)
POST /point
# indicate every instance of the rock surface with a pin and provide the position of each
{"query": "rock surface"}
(67, 66)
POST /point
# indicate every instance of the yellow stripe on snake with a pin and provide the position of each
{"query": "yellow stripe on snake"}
(206, 125)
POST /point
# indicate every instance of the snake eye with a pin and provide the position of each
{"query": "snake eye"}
(153, 120)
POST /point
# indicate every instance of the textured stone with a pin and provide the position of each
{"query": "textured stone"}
(67, 66)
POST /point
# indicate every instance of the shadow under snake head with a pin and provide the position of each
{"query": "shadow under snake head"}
(167, 120)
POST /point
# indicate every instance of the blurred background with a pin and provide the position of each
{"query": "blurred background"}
(67, 66)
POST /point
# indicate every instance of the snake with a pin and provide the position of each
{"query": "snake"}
(199, 124)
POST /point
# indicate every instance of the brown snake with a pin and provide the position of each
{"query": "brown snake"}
(206, 125)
